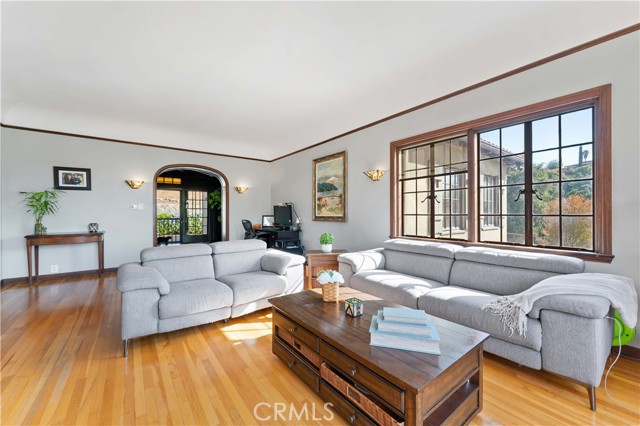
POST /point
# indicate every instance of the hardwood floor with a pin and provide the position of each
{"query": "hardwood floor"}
(62, 363)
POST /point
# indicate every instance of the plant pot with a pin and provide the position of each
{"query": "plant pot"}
(326, 248)
(39, 228)
(330, 292)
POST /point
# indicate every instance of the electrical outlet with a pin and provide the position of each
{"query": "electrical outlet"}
(54, 269)
(133, 206)
(140, 206)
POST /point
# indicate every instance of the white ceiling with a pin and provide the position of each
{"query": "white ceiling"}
(264, 79)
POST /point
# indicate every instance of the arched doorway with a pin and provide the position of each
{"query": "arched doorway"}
(182, 209)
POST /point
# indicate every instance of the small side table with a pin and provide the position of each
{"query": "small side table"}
(318, 261)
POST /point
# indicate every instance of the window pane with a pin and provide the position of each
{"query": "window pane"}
(546, 231)
(577, 232)
(422, 157)
(409, 186)
(441, 152)
(514, 229)
(423, 184)
(577, 198)
(550, 199)
(511, 206)
(490, 228)
(442, 202)
(489, 168)
(459, 181)
(459, 150)
(577, 127)
(423, 226)
(409, 159)
(409, 205)
(545, 166)
(424, 204)
(513, 139)
(442, 227)
(459, 201)
(409, 223)
(490, 144)
(577, 162)
(513, 169)
(490, 200)
(544, 133)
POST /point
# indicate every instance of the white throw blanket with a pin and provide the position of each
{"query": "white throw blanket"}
(619, 290)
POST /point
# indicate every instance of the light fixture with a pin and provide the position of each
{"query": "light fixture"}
(374, 175)
(135, 184)
(240, 189)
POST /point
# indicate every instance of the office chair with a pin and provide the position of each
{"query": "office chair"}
(250, 233)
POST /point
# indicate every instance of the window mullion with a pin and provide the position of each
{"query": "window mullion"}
(528, 184)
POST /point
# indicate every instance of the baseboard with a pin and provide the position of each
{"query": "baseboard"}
(627, 351)
(49, 277)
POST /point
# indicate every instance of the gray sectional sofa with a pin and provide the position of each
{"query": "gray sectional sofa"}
(566, 335)
(175, 287)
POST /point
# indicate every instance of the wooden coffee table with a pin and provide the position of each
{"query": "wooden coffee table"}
(330, 352)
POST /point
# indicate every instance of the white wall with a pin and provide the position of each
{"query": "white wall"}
(27, 165)
(615, 62)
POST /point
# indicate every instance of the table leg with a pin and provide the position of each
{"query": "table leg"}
(29, 262)
(100, 258)
(36, 250)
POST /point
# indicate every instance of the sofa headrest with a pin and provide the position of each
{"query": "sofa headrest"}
(239, 246)
(431, 248)
(522, 259)
(173, 252)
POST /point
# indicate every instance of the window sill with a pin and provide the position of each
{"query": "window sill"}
(586, 256)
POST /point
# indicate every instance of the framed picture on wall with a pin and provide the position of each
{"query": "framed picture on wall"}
(330, 188)
(72, 178)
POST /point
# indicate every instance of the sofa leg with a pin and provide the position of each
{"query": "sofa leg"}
(592, 397)
(126, 348)
(226, 320)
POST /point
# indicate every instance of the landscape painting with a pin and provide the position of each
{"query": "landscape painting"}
(330, 187)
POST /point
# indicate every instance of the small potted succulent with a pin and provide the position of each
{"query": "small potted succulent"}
(326, 242)
(330, 281)
(40, 204)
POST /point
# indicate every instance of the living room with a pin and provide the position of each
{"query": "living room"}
(101, 86)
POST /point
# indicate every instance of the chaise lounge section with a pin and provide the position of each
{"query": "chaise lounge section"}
(566, 335)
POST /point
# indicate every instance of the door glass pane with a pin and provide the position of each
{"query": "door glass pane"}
(490, 144)
(513, 140)
(546, 231)
(577, 127)
(545, 166)
(545, 133)
(168, 215)
(197, 212)
(514, 229)
(550, 203)
(577, 162)
(577, 198)
(577, 232)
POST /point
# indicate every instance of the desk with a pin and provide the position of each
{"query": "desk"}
(283, 240)
(60, 238)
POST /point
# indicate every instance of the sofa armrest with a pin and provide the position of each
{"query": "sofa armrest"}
(133, 276)
(595, 307)
(278, 262)
(362, 260)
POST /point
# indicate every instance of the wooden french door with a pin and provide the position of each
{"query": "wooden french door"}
(195, 216)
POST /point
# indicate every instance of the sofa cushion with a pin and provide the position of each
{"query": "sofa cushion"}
(433, 268)
(521, 259)
(235, 257)
(430, 248)
(278, 262)
(252, 286)
(194, 296)
(393, 286)
(180, 263)
(500, 280)
(462, 305)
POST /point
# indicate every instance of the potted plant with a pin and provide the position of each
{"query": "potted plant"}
(326, 242)
(330, 281)
(41, 203)
(215, 202)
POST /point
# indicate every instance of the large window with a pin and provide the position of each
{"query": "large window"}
(538, 177)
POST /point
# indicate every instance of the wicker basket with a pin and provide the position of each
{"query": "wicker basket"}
(330, 292)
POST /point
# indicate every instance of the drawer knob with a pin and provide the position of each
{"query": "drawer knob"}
(353, 371)
(352, 418)
(292, 329)
(291, 363)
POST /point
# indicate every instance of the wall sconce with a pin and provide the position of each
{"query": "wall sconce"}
(374, 175)
(240, 189)
(135, 184)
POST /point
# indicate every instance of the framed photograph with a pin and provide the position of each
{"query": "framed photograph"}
(330, 188)
(71, 178)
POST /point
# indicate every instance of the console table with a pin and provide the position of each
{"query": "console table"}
(317, 261)
(60, 238)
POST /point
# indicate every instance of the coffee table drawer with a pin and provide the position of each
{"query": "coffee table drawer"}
(343, 408)
(297, 366)
(296, 330)
(390, 393)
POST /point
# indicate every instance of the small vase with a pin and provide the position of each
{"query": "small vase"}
(39, 228)
(326, 248)
(330, 292)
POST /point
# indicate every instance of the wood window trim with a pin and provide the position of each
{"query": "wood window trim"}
(598, 97)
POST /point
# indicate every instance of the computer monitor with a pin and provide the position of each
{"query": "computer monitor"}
(283, 216)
